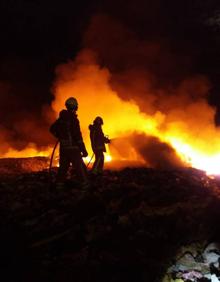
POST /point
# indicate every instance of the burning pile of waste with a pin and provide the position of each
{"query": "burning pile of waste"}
(23, 165)
(151, 118)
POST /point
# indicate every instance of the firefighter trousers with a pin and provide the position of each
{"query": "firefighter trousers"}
(98, 165)
(73, 156)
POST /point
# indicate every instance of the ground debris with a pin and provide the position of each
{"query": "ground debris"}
(137, 224)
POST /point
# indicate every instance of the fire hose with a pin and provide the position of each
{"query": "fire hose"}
(51, 158)
(52, 155)
(90, 160)
(94, 155)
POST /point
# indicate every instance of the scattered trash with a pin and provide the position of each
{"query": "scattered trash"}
(196, 264)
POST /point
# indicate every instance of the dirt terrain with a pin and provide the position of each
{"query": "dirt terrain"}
(129, 226)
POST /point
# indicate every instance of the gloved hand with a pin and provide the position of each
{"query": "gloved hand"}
(83, 149)
(107, 140)
(84, 153)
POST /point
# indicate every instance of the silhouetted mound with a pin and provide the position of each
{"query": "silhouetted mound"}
(129, 226)
(23, 165)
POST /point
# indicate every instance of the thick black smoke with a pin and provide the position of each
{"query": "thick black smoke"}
(22, 118)
(157, 154)
(151, 150)
(35, 37)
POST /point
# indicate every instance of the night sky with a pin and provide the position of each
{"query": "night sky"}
(36, 36)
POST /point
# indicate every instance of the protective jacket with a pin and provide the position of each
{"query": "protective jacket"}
(67, 129)
(98, 140)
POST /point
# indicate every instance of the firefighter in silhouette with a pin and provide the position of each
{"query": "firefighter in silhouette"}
(67, 129)
(98, 141)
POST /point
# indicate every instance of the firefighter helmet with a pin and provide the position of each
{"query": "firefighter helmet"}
(98, 120)
(71, 104)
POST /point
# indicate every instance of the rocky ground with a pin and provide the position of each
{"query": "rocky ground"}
(132, 225)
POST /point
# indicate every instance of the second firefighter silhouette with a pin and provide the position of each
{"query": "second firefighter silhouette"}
(98, 141)
(67, 129)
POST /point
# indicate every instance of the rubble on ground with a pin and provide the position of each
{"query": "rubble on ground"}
(196, 262)
(11, 166)
(136, 224)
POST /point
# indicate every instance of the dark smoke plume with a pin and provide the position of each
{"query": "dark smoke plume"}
(153, 152)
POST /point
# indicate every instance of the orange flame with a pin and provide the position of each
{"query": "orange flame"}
(179, 119)
(188, 126)
(30, 151)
